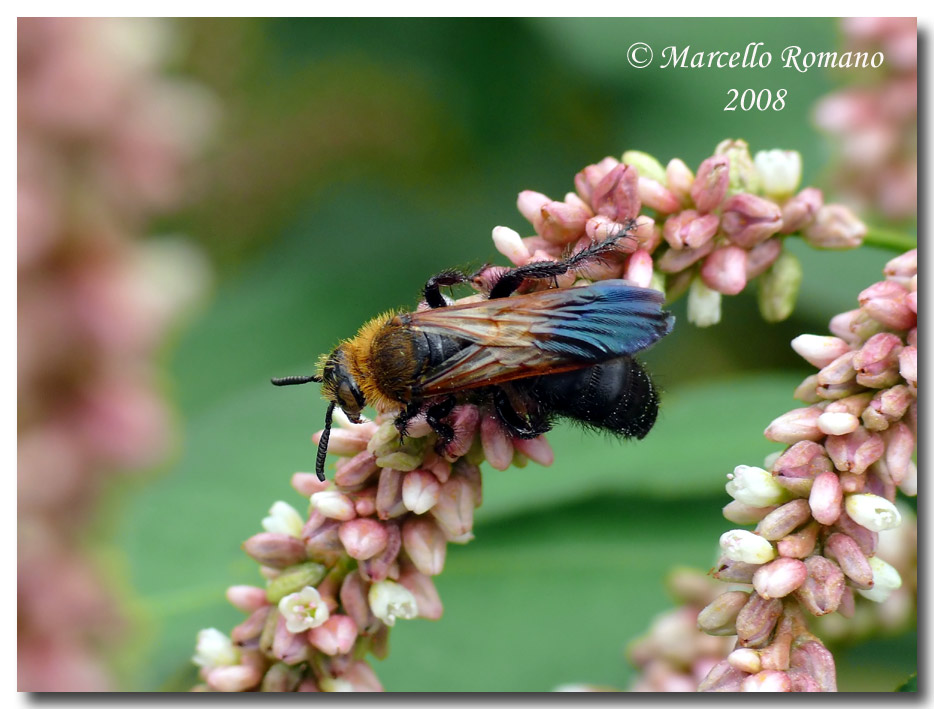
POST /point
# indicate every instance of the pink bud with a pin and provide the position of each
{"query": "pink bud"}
(761, 257)
(756, 620)
(690, 229)
(675, 261)
(276, 550)
(826, 498)
(679, 179)
(470, 473)
(497, 446)
(899, 447)
(904, 266)
(530, 206)
(233, 678)
(749, 220)
(839, 371)
(822, 590)
(796, 425)
(307, 484)
(365, 502)
(779, 578)
(353, 595)
(363, 537)
(289, 647)
(743, 513)
(867, 539)
(799, 211)
(454, 509)
(647, 234)
(333, 505)
(724, 270)
(767, 681)
(853, 405)
(322, 539)
(711, 183)
(336, 637)
(587, 179)
(908, 365)
(732, 571)
(722, 678)
(876, 363)
(655, 195)
(778, 653)
(251, 628)
(379, 567)
(537, 449)
(361, 678)
(745, 659)
(420, 491)
(246, 598)
(719, 616)
(356, 471)
(854, 452)
(846, 552)
(801, 544)
(563, 223)
(819, 351)
(425, 544)
(887, 303)
(815, 660)
(854, 326)
(389, 494)
(835, 227)
(343, 442)
(617, 195)
(782, 521)
(423, 588)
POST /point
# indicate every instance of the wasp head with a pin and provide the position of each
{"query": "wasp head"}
(339, 386)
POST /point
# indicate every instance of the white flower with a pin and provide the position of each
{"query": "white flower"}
(390, 600)
(885, 579)
(779, 171)
(703, 304)
(303, 610)
(283, 519)
(214, 649)
(742, 545)
(873, 512)
(508, 242)
(755, 487)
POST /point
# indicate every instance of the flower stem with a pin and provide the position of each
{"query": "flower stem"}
(888, 239)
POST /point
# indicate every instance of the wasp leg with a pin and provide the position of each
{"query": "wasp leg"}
(435, 414)
(516, 424)
(412, 409)
(512, 279)
(432, 289)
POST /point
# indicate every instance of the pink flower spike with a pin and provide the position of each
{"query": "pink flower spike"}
(336, 637)
(425, 545)
(819, 350)
(656, 196)
(497, 446)
(724, 270)
(711, 183)
(536, 449)
(826, 498)
(363, 537)
(749, 220)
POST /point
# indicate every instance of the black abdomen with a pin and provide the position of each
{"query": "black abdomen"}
(617, 395)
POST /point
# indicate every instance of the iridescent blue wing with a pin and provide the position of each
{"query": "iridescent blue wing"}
(545, 332)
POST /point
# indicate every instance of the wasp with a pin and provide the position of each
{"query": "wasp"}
(528, 358)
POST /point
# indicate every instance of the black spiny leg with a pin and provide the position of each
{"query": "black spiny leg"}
(512, 279)
(432, 290)
(434, 416)
(412, 409)
(516, 424)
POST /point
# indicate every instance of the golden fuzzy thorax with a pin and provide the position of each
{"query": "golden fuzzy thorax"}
(359, 351)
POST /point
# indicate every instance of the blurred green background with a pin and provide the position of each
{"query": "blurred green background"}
(354, 159)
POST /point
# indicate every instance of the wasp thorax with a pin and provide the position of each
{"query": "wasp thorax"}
(340, 387)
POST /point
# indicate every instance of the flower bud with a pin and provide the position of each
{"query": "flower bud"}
(679, 179)
(563, 223)
(816, 662)
(806, 391)
(755, 621)
(420, 491)
(799, 212)
(839, 371)
(885, 579)
(908, 365)
(782, 521)
(508, 242)
(235, 678)
(536, 449)
(819, 351)
(283, 519)
(904, 266)
(796, 468)
(779, 172)
(795, 426)
(587, 179)
(745, 659)
(800, 544)
(336, 636)
(856, 451)
(690, 229)
(530, 206)
(307, 484)
(834, 227)
(837, 423)
(899, 447)
(303, 610)
(383, 564)
(276, 550)
(755, 486)
(826, 498)
(390, 600)
(876, 362)
(322, 540)
(710, 185)
(767, 681)
(655, 195)
(281, 678)
(454, 509)
(872, 512)
(732, 571)
(497, 446)
(465, 421)
(887, 302)
(748, 220)
(423, 588)
(846, 552)
(214, 649)
(677, 261)
(823, 588)
(779, 578)
(389, 494)
(722, 678)
(246, 598)
(778, 288)
(425, 545)
(742, 545)
(703, 304)
(333, 505)
(724, 270)
(363, 537)
(741, 513)
(719, 616)
(646, 164)
(357, 471)
(743, 174)
(617, 195)
(854, 326)
(342, 442)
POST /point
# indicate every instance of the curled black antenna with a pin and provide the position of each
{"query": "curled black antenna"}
(323, 443)
(295, 379)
